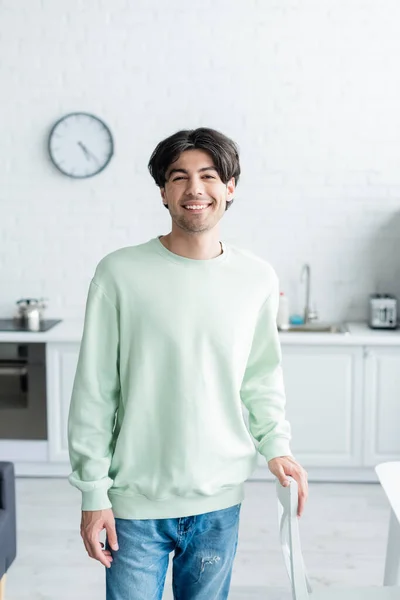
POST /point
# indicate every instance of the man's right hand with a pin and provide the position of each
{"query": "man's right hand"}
(94, 521)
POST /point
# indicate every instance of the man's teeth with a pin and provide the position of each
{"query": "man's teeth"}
(195, 207)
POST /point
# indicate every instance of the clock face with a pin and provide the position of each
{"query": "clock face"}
(80, 145)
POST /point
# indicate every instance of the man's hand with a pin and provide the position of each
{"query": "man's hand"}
(94, 521)
(286, 465)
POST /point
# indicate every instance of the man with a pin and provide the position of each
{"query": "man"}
(179, 331)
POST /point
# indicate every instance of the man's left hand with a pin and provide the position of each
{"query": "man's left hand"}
(286, 465)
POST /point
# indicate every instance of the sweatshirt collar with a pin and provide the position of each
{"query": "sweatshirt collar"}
(184, 260)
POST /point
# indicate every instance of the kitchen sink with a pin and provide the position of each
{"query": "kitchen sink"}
(317, 328)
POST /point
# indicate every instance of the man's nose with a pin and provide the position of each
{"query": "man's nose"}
(194, 187)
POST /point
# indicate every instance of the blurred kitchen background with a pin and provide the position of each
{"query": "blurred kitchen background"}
(310, 91)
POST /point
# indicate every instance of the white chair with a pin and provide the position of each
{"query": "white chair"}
(389, 477)
(291, 548)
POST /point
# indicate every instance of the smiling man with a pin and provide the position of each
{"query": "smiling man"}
(180, 332)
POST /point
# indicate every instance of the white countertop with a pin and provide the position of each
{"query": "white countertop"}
(70, 330)
(359, 334)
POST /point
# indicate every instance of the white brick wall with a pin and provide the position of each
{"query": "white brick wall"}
(309, 90)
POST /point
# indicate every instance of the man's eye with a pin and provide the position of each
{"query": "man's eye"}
(209, 176)
(176, 178)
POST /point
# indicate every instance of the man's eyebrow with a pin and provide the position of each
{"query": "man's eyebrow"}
(185, 171)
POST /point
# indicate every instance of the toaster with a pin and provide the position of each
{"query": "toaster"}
(382, 311)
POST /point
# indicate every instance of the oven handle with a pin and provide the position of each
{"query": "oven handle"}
(13, 370)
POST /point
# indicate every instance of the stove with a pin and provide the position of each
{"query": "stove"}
(15, 325)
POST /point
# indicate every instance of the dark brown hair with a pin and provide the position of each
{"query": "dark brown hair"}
(223, 151)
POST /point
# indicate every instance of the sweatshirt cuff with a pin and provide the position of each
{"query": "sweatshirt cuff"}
(274, 448)
(96, 499)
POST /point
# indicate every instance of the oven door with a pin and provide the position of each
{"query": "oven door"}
(23, 392)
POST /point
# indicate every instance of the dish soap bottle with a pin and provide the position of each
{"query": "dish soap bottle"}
(283, 312)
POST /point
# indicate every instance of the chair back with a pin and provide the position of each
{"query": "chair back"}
(290, 539)
(389, 478)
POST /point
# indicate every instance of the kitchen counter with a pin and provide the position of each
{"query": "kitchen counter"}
(70, 330)
(356, 377)
(359, 334)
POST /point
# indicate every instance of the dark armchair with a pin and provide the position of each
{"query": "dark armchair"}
(8, 529)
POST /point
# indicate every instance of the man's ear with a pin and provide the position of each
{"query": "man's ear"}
(231, 188)
(162, 191)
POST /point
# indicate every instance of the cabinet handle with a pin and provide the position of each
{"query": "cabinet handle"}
(13, 371)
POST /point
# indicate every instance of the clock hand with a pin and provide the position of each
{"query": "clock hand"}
(87, 153)
(84, 149)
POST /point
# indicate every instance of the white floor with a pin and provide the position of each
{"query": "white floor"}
(343, 534)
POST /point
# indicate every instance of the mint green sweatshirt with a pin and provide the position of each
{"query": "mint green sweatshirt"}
(171, 348)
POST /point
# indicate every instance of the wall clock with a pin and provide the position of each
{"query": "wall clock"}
(80, 145)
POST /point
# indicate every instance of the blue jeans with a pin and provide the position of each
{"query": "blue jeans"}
(204, 549)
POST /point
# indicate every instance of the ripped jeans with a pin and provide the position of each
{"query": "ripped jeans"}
(204, 549)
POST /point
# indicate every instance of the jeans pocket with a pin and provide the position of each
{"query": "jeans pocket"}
(225, 518)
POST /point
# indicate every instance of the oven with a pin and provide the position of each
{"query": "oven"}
(23, 414)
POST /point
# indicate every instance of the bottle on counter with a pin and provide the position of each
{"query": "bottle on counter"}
(33, 320)
(283, 312)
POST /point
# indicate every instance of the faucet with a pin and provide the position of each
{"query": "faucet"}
(309, 315)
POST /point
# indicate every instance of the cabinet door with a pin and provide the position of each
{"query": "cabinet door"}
(61, 361)
(382, 404)
(323, 403)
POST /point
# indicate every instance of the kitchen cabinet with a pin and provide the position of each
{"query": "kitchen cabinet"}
(343, 403)
(62, 360)
(381, 404)
(324, 404)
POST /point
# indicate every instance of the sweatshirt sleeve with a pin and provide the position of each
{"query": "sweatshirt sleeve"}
(94, 401)
(262, 390)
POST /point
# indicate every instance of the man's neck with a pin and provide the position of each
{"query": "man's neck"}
(187, 249)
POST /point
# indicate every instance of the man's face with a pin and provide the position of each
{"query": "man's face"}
(192, 180)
